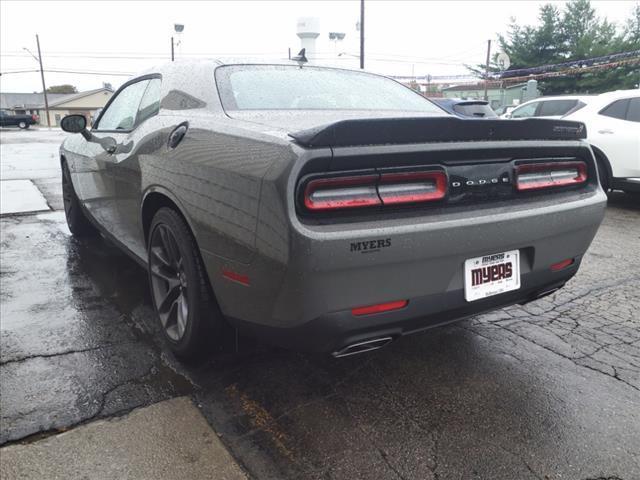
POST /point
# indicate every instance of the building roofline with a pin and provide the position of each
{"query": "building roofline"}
(76, 96)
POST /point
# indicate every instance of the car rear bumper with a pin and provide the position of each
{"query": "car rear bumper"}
(299, 293)
(627, 184)
(334, 332)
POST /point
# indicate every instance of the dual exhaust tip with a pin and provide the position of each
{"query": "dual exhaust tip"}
(362, 347)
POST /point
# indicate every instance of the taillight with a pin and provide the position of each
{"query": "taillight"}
(534, 176)
(341, 192)
(411, 187)
(373, 189)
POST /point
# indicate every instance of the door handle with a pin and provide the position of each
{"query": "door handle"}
(111, 149)
(605, 131)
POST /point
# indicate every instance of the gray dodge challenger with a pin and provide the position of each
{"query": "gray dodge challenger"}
(325, 209)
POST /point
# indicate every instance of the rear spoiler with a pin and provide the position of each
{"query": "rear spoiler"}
(381, 131)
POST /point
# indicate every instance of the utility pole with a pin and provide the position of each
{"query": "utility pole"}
(486, 72)
(172, 54)
(44, 87)
(362, 34)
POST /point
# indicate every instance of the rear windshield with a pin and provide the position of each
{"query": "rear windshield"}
(283, 87)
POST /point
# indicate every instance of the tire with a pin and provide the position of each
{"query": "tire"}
(78, 223)
(23, 125)
(188, 314)
(603, 174)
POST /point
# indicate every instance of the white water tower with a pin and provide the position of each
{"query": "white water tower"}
(308, 29)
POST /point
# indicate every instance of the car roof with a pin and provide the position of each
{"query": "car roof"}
(584, 98)
(620, 94)
(457, 101)
(230, 61)
(598, 102)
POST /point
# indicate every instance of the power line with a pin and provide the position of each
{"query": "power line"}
(116, 74)
(455, 58)
(78, 72)
(18, 71)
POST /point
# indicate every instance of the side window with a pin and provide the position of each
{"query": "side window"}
(633, 113)
(617, 109)
(150, 103)
(556, 108)
(121, 114)
(525, 111)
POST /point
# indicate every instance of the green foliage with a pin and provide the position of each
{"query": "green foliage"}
(575, 33)
(62, 89)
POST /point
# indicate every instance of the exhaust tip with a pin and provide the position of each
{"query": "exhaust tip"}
(362, 347)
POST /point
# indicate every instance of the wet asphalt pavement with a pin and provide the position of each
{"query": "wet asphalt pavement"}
(550, 390)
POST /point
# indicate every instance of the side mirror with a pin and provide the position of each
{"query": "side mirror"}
(74, 123)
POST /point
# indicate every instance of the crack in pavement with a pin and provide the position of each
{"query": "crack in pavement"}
(65, 352)
(567, 357)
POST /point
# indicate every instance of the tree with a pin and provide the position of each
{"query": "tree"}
(62, 89)
(576, 33)
(631, 35)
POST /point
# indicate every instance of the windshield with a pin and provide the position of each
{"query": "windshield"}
(283, 87)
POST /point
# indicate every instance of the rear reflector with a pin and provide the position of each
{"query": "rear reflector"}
(411, 187)
(236, 277)
(341, 192)
(379, 308)
(560, 265)
(534, 176)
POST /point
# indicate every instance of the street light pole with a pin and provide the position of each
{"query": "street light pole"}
(362, 34)
(178, 28)
(44, 87)
(486, 74)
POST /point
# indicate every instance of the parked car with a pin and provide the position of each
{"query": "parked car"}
(613, 130)
(465, 108)
(550, 107)
(17, 120)
(502, 111)
(325, 209)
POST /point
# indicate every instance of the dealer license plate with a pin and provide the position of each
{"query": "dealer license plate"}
(491, 275)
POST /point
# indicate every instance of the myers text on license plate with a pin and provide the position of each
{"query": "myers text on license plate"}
(491, 275)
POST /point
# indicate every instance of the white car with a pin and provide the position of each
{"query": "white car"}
(613, 130)
(549, 107)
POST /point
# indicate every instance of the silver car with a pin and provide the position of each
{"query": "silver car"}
(325, 209)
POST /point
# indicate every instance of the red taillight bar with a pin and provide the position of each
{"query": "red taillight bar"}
(534, 176)
(373, 189)
(411, 187)
(379, 308)
(341, 192)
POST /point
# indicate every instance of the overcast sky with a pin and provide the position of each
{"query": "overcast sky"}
(429, 37)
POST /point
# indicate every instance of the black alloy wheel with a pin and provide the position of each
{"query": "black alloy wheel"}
(180, 289)
(169, 282)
